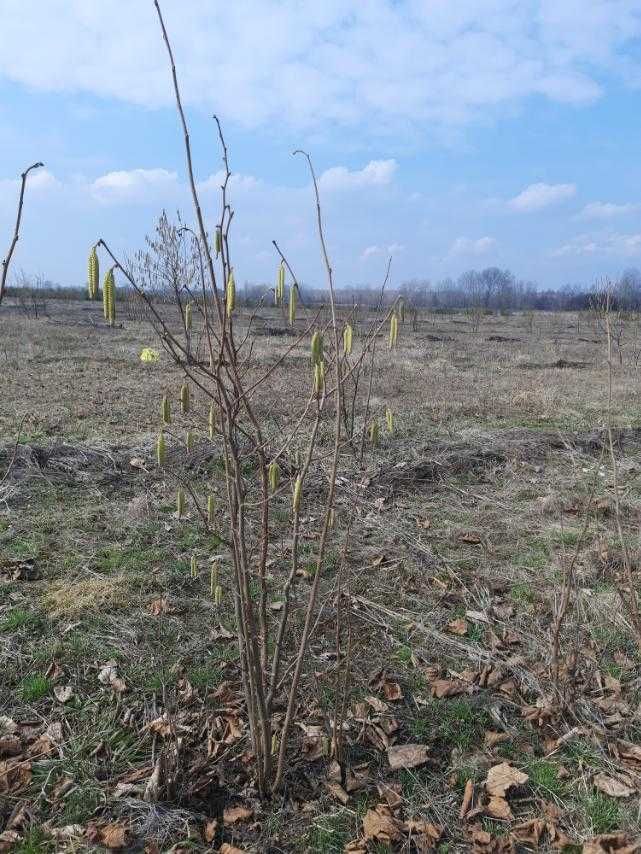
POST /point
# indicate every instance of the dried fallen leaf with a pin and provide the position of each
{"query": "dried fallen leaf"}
(63, 693)
(337, 791)
(108, 675)
(392, 690)
(629, 752)
(457, 627)
(391, 792)
(484, 843)
(376, 704)
(380, 824)
(501, 778)
(210, 830)
(221, 633)
(407, 755)
(529, 832)
(232, 815)
(499, 808)
(42, 746)
(611, 843)
(611, 786)
(494, 738)
(114, 836)
(226, 848)
(468, 795)
(15, 775)
(119, 685)
(419, 827)
(447, 688)
(160, 606)
(315, 743)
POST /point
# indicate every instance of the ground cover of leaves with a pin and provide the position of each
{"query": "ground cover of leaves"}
(122, 723)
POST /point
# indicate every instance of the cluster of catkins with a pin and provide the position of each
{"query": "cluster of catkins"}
(161, 456)
(108, 287)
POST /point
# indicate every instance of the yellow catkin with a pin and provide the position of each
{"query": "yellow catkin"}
(180, 503)
(218, 595)
(211, 509)
(389, 420)
(188, 317)
(212, 421)
(298, 486)
(274, 476)
(189, 441)
(193, 566)
(319, 377)
(184, 399)
(218, 241)
(109, 297)
(105, 293)
(274, 744)
(231, 293)
(374, 433)
(393, 331)
(348, 333)
(161, 450)
(317, 348)
(293, 299)
(94, 273)
(165, 410)
(279, 291)
(112, 303)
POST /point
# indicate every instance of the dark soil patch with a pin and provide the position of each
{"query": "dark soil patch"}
(560, 364)
(480, 458)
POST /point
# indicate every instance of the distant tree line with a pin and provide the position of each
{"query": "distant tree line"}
(490, 290)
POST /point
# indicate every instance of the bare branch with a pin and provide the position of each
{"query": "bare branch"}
(16, 233)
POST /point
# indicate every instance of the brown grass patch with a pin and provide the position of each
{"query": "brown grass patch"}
(65, 598)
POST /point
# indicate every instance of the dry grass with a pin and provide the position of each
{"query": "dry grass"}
(66, 599)
(468, 512)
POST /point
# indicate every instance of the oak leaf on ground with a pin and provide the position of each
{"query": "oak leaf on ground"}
(407, 755)
(501, 778)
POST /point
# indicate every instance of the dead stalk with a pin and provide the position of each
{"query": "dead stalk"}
(16, 233)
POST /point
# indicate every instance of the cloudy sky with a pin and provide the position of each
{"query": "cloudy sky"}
(448, 133)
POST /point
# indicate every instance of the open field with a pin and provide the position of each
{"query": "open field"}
(463, 525)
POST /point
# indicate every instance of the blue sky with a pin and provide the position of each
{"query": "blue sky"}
(449, 134)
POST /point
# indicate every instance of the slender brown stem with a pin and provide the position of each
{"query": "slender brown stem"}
(329, 504)
(16, 234)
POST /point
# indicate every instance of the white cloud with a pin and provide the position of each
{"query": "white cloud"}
(621, 245)
(376, 250)
(607, 210)
(467, 246)
(242, 183)
(135, 185)
(536, 197)
(383, 63)
(40, 181)
(377, 173)
(43, 180)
